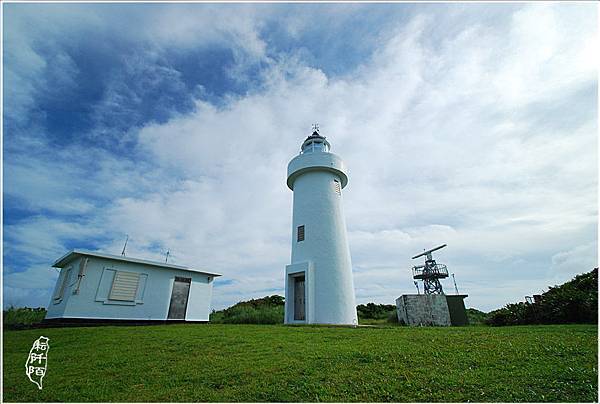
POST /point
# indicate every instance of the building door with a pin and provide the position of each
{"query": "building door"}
(179, 298)
(299, 298)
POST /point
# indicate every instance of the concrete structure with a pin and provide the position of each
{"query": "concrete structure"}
(318, 284)
(431, 309)
(95, 286)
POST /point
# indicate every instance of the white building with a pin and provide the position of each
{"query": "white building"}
(319, 288)
(94, 286)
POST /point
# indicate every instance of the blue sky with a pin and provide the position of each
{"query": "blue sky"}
(473, 125)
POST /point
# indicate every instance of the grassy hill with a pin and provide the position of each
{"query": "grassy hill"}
(216, 362)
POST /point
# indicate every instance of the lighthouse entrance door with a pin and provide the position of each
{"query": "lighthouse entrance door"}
(299, 298)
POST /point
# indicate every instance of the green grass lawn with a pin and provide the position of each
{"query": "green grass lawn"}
(276, 363)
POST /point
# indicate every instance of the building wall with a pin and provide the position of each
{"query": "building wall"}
(152, 303)
(57, 309)
(199, 303)
(318, 207)
(423, 310)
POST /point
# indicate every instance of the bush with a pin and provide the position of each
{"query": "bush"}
(254, 315)
(575, 301)
(267, 310)
(393, 317)
(375, 311)
(476, 316)
(270, 310)
(22, 316)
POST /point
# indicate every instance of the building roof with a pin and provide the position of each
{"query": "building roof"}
(71, 255)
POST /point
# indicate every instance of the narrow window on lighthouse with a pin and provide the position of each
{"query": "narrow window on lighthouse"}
(301, 233)
(336, 187)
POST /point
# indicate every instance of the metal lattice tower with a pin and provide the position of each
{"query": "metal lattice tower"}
(431, 272)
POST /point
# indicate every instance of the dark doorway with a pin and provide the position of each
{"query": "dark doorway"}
(299, 306)
(179, 298)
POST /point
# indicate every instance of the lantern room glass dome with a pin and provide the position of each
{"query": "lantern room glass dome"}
(315, 143)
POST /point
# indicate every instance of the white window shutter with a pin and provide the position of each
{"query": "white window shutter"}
(62, 283)
(59, 284)
(125, 285)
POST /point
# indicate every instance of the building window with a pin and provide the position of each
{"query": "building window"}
(61, 285)
(301, 233)
(124, 286)
(337, 188)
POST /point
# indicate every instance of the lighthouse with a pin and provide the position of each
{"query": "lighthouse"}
(318, 283)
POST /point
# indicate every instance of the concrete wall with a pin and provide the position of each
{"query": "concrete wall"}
(318, 207)
(423, 310)
(152, 300)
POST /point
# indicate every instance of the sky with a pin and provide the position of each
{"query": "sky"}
(473, 125)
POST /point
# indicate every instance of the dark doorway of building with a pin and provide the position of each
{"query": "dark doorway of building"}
(299, 298)
(179, 298)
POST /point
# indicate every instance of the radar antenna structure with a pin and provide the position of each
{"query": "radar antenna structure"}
(431, 272)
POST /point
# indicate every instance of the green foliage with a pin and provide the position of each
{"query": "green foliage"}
(392, 317)
(22, 317)
(476, 317)
(575, 301)
(266, 310)
(252, 363)
(270, 310)
(375, 311)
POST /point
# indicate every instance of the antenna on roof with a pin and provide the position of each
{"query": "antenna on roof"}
(167, 258)
(429, 251)
(455, 287)
(125, 246)
(315, 127)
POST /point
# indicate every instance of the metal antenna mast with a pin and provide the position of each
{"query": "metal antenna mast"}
(167, 257)
(455, 287)
(125, 246)
(431, 272)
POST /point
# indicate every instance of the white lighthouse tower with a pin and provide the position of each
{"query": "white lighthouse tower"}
(318, 284)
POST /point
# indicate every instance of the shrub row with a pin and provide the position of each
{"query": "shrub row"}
(270, 310)
(575, 301)
(22, 316)
(267, 310)
(375, 311)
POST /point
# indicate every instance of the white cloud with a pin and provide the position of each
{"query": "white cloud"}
(565, 263)
(444, 145)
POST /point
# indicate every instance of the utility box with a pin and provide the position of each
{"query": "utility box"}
(431, 310)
